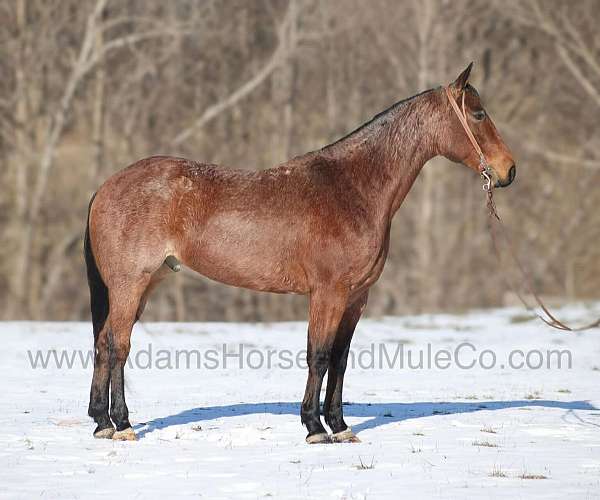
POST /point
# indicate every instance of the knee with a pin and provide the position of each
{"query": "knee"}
(319, 360)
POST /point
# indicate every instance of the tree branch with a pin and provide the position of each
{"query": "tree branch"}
(280, 54)
(577, 73)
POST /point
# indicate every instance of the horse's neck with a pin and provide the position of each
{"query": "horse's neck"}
(406, 169)
(386, 165)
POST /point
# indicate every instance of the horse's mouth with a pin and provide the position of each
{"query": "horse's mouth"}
(512, 172)
(496, 180)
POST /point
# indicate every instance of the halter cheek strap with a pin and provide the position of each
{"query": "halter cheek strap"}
(484, 168)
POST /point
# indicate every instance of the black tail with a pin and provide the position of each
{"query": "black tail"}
(98, 290)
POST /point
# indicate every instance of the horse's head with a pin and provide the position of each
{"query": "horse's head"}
(469, 115)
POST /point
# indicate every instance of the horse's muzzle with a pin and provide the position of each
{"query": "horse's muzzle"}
(512, 172)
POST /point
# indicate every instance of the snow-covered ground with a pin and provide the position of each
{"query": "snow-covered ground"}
(234, 432)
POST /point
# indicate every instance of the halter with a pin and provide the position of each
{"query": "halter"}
(484, 168)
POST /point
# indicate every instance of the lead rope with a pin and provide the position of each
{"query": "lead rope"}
(550, 319)
(494, 219)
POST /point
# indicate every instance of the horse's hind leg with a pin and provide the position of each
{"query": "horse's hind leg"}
(332, 407)
(98, 408)
(124, 305)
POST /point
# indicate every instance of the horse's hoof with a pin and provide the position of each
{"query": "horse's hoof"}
(321, 438)
(346, 436)
(125, 435)
(106, 433)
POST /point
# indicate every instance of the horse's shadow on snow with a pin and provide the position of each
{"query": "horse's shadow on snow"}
(379, 413)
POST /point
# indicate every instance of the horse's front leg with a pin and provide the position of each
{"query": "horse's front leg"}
(332, 409)
(327, 305)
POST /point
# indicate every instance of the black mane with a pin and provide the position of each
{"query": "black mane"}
(379, 119)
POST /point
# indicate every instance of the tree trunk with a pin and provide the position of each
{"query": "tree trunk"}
(424, 239)
(20, 163)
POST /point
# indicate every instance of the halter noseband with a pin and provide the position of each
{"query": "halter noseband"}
(484, 168)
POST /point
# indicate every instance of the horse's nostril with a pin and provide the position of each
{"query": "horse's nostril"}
(511, 174)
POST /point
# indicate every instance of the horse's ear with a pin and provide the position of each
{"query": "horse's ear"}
(461, 82)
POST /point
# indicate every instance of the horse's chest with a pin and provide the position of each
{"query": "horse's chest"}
(372, 265)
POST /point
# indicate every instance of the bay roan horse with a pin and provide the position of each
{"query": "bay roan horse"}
(318, 224)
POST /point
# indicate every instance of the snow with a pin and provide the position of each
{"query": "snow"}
(235, 432)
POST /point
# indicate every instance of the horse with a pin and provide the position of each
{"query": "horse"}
(317, 225)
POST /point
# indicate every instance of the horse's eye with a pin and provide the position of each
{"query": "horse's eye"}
(479, 115)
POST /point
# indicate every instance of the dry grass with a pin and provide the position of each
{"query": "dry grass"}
(489, 430)
(526, 475)
(521, 318)
(485, 444)
(497, 472)
(363, 466)
(534, 395)
(415, 450)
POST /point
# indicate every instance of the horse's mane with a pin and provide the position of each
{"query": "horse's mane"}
(375, 123)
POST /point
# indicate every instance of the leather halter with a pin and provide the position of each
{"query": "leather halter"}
(484, 168)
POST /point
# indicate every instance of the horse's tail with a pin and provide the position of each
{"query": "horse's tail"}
(98, 290)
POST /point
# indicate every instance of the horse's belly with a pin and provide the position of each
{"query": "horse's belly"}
(257, 259)
(260, 276)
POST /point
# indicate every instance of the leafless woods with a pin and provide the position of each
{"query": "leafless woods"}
(88, 87)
